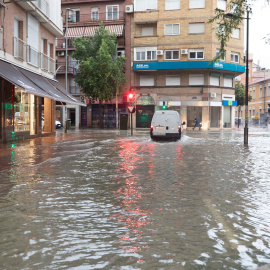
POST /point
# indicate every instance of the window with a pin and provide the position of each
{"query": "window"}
(196, 4)
(112, 12)
(74, 15)
(145, 53)
(214, 80)
(196, 54)
(172, 55)
(228, 82)
(196, 28)
(221, 4)
(94, 14)
(234, 57)
(220, 29)
(235, 33)
(260, 94)
(254, 93)
(147, 31)
(147, 81)
(268, 91)
(172, 29)
(74, 87)
(172, 80)
(172, 4)
(143, 5)
(1, 38)
(33, 40)
(221, 58)
(196, 79)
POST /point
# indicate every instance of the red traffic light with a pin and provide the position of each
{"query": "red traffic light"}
(131, 97)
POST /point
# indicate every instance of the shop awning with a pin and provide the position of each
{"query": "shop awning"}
(14, 76)
(113, 29)
(58, 86)
(75, 32)
(46, 86)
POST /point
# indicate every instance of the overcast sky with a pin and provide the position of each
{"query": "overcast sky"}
(259, 27)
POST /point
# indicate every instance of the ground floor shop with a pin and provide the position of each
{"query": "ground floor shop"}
(30, 104)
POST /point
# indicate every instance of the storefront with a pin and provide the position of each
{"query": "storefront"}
(28, 103)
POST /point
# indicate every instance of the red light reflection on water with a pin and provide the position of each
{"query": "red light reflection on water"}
(130, 194)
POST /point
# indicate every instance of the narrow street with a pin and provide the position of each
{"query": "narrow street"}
(94, 200)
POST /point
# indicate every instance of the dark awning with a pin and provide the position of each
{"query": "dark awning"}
(14, 76)
(58, 86)
(45, 85)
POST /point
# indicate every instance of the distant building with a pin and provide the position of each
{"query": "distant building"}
(83, 18)
(28, 92)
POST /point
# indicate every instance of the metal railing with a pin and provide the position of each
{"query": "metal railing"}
(19, 48)
(27, 53)
(43, 6)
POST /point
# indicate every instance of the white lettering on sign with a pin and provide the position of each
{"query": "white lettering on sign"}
(142, 66)
(218, 65)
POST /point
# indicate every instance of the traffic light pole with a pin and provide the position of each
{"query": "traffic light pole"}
(131, 125)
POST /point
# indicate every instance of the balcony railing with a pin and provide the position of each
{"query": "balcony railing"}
(43, 6)
(19, 49)
(33, 57)
(94, 17)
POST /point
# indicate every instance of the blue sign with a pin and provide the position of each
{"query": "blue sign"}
(229, 102)
(189, 65)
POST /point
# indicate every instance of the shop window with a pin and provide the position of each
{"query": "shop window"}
(192, 112)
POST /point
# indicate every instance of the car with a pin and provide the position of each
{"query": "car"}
(57, 123)
(166, 125)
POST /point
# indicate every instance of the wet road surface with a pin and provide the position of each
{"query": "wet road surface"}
(94, 200)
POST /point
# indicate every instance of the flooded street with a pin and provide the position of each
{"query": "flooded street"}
(94, 200)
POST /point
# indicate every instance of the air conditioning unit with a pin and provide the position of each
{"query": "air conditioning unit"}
(184, 51)
(61, 53)
(159, 52)
(129, 8)
(121, 53)
(213, 95)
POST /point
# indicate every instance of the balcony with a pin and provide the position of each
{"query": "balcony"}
(43, 6)
(27, 53)
(95, 18)
(72, 64)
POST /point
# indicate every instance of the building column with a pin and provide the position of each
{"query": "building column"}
(183, 114)
(205, 118)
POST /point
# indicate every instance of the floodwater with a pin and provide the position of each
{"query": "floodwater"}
(94, 200)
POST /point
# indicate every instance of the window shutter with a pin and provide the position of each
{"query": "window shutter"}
(33, 32)
(172, 4)
(196, 4)
(228, 82)
(196, 28)
(235, 33)
(146, 81)
(196, 79)
(172, 80)
(221, 4)
(139, 5)
(147, 31)
(214, 80)
(151, 4)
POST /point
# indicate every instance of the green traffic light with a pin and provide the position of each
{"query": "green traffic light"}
(164, 107)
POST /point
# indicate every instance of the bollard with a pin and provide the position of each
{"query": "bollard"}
(66, 126)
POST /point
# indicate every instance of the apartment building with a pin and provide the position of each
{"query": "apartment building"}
(28, 92)
(81, 19)
(172, 48)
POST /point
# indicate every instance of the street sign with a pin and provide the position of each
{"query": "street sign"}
(131, 109)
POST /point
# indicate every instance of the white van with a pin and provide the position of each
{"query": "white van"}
(166, 125)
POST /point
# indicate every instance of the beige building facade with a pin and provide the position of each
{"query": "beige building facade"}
(172, 48)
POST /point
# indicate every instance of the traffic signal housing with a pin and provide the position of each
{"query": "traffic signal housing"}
(164, 106)
(130, 97)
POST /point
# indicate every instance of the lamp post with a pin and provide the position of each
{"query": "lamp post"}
(66, 40)
(264, 92)
(230, 15)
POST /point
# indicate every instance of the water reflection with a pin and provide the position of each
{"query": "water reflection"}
(88, 201)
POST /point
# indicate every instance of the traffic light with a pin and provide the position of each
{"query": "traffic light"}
(131, 97)
(164, 106)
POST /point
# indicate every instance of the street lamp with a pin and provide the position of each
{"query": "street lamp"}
(230, 15)
(264, 92)
(66, 40)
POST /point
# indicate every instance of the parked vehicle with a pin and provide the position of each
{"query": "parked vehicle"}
(57, 123)
(166, 125)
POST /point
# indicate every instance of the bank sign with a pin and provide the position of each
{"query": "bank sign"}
(189, 65)
(229, 102)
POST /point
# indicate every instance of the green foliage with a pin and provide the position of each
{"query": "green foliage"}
(240, 94)
(226, 20)
(100, 74)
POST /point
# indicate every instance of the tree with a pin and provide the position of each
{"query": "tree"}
(101, 73)
(226, 23)
(240, 94)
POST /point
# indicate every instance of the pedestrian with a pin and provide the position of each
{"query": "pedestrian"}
(197, 123)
